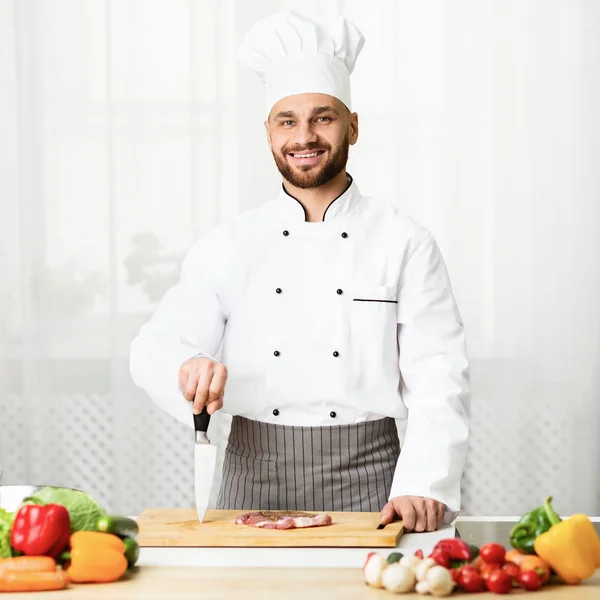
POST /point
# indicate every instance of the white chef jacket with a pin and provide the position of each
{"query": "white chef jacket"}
(341, 321)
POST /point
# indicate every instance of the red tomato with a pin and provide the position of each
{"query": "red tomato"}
(499, 582)
(487, 569)
(492, 553)
(458, 570)
(470, 580)
(512, 569)
(530, 580)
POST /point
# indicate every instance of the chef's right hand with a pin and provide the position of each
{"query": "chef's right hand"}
(203, 383)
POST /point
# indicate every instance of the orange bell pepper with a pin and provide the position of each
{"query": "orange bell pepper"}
(96, 557)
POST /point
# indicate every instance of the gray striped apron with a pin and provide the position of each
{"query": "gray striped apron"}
(329, 468)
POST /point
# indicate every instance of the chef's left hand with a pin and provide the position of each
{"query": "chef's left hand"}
(418, 513)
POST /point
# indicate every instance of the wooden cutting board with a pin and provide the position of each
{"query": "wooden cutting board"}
(167, 527)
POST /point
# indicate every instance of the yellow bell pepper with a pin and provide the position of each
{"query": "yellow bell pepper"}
(571, 547)
(96, 557)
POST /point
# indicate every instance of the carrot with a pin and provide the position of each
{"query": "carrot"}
(33, 581)
(27, 563)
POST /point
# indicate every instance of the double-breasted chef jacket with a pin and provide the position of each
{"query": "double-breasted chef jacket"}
(325, 323)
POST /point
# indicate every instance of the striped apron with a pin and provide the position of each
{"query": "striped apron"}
(330, 468)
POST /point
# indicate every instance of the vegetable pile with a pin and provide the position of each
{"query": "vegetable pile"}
(58, 536)
(404, 574)
(543, 547)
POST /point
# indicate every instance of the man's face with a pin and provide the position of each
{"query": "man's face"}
(309, 136)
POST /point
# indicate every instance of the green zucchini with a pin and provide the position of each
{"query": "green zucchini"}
(118, 525)
(132, 551)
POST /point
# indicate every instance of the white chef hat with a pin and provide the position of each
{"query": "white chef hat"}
(294, 53)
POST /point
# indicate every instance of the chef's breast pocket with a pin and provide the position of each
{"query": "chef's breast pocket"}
(373, 327)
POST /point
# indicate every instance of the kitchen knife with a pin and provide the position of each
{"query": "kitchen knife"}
(205, 459)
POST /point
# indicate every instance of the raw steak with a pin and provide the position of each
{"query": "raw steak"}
(283, 519)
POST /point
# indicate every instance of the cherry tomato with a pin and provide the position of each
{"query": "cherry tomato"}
(512, 569)
(492, 553)
(458, 570)
(530, 580)
(487, 569)
(470, 580)
(499, 582)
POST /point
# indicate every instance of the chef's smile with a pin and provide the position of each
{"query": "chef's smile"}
(306, 158)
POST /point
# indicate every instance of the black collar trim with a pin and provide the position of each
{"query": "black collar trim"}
(350, 180)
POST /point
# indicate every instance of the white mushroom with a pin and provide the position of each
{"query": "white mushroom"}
(439, 581)
(373, 569)
(422, 588)
(410, 562)
(398, 579)
(422, 568)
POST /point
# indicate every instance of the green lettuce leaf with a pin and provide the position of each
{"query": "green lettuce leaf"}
(84, 511)
(5, 525)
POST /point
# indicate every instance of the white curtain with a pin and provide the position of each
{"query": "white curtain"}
(127, 130)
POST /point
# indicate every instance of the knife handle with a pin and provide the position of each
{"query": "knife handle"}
(201, 421)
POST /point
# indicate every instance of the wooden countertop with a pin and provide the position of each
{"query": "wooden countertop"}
(157, 583)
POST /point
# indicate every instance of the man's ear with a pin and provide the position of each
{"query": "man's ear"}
(268, 135)
(353, 136)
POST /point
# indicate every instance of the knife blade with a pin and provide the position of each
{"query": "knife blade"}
(205, 460)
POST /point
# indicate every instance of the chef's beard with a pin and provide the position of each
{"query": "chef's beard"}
(313, 176)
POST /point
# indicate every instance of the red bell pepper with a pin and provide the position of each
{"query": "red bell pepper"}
(456, 548)
(41, 530)
(441, 557)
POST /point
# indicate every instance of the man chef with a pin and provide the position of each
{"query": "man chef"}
(333, 311)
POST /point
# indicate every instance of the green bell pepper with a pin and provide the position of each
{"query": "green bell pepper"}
(529, 527)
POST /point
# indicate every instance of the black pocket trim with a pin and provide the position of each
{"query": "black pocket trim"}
(374, 300)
